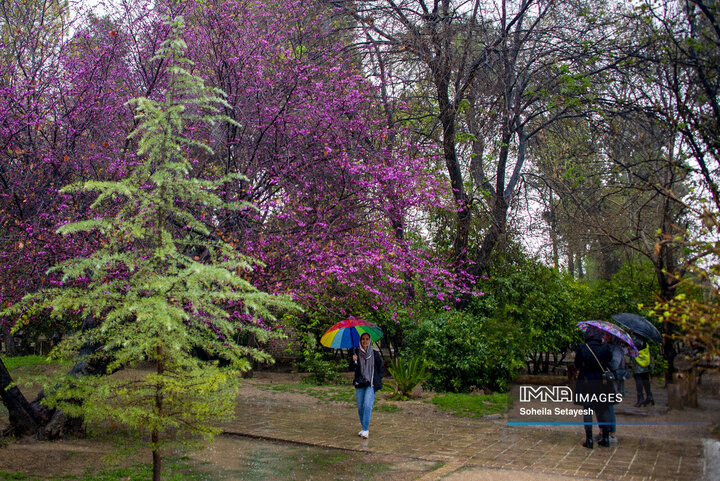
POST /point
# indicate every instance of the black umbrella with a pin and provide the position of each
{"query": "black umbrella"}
(639, 325)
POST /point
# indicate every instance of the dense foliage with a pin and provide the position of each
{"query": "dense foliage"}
(334, 190)
(158, 286)
(526, 320)
(372, 159)
(463, 352)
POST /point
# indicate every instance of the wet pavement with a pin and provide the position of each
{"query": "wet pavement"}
(476, 449)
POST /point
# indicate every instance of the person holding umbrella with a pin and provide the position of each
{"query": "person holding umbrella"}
(642, 367)
(605, 345)
(617, 366)
(368, 366)
(592, 359)
(366, 362)
(641, 331)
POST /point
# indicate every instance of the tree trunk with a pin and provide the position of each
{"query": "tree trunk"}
(609, 261)
(10, 345)
(581, 271)
(552, 221)
(157, 460)
(32, 418)
(667, 292)
(462, 218)
(493, 236)
(155, 436)
(25, 418)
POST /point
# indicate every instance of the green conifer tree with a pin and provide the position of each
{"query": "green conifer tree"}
(155, 299)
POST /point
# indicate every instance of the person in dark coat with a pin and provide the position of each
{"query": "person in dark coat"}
(367, 364)
(591, 359)
(641, 372)
(619, 370)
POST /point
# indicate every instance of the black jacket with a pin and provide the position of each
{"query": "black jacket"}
(379, 370)
(589, 379)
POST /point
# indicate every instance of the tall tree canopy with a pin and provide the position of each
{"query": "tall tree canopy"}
(483, 79)
(338, 196)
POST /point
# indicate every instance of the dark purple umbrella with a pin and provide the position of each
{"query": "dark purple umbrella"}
(613, 330)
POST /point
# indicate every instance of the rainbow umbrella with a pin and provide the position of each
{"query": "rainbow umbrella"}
(346, 334)
(614, 330)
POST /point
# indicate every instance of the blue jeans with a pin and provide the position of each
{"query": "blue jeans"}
(365, 398)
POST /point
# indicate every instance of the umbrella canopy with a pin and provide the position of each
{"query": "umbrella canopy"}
(346, 334)
(613, 330)
(639, 325)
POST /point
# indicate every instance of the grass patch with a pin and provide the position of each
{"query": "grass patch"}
(25, 361)
(472, 405)
(344, 394)
(172, 471)
(322, 393)
(387, 408)
(325, 461)
(5, 476)
(341, 394)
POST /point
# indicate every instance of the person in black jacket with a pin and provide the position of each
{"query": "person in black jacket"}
(642, 366)
(368, 366)
(591, 359)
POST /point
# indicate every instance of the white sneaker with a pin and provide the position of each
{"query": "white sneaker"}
(360, 433)
(364, 434)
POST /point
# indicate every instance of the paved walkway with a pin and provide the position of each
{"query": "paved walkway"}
(469, 449)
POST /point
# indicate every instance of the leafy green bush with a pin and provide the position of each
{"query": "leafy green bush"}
(634, 284)
(312, 356)
(322, 371)
(313, 361)
(542, 306)
(407, 373)
(463, 351)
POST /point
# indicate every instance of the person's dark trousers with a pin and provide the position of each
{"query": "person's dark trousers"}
(588, 420)
(642, 386)
(602, 412)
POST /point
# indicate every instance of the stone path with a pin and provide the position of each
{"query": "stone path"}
(477, 449)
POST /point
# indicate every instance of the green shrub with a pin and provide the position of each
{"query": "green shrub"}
(407, 373)
(635, 283)
(313, 361)
(313, 358)
(463, 351)
(543, 305)
(322, 371)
